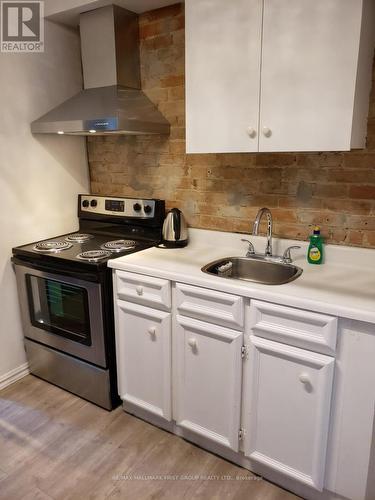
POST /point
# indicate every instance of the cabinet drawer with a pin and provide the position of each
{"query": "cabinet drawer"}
(145, 290)
(211, 306)
(297, 327)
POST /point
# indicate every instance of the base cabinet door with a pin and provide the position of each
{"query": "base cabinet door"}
(208, 389)
(143, 343)
(287, 407)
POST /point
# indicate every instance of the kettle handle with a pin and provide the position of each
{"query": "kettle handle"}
(177, 223)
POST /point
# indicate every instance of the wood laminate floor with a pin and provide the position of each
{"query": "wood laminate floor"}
(54, 445)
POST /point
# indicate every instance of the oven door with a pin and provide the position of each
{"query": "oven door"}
(62, 312)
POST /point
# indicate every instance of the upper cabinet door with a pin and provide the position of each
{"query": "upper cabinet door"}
(223, 46)
(309, 71)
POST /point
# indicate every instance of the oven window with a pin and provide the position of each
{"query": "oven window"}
(59, 308)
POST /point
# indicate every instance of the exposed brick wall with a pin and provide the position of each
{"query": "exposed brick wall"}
(224, 191)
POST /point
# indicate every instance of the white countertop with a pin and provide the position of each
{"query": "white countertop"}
(343, 286)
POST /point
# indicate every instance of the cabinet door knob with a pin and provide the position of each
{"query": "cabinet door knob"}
(304, 378)
(139, 290)
(152, 331)
(192, 343)
(267, 132)
(251, 132)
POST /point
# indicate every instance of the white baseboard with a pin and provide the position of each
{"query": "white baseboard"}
(14, 375)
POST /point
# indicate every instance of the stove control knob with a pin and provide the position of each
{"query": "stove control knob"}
(94, 203)
(137, 207)
(147, 209)
(85, 203)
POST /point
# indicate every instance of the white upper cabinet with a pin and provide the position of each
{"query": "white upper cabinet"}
(309, 69)
(268, 75)
(223, 46)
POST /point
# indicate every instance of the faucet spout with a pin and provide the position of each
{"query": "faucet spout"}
(258, 218)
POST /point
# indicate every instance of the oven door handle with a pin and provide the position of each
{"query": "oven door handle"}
(81, 275)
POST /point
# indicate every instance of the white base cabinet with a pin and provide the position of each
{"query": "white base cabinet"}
(287, 409)
(251, 381)
(143, 348)
(209, 372)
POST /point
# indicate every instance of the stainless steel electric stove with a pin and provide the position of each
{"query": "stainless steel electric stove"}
(65, 293)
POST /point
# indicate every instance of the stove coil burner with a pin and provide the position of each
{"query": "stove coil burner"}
(119, 245)
(93, 255)
(52, 246)
(78, 237)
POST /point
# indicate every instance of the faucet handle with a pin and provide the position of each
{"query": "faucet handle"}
(287, 257)
(251, 249)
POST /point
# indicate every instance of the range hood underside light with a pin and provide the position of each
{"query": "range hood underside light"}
(97, 132)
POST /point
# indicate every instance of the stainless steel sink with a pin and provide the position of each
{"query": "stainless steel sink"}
(256, 269)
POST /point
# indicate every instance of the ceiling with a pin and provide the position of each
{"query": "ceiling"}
(67, 11)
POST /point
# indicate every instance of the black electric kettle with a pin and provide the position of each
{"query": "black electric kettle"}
(175, 232)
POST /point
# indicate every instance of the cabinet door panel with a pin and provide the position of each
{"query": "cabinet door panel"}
(309, 63)
(223, 42)
(288, 409)
(143, 344)
(209, 380)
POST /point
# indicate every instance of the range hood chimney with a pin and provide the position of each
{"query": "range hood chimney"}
(112, 101)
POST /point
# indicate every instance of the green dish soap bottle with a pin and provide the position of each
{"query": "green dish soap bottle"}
(315, 252)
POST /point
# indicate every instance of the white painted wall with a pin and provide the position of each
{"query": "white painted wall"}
(68, 11)
(40, 176)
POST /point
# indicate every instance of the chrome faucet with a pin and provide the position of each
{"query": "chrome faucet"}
(258, 218)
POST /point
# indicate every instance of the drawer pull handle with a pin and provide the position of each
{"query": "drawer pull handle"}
(139, 290)
(304, 378)
(152, 331)
(192, 343)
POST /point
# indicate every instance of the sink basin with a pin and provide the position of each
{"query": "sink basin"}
(255, 269)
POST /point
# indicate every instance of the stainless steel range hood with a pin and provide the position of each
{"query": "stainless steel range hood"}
(112, 101)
